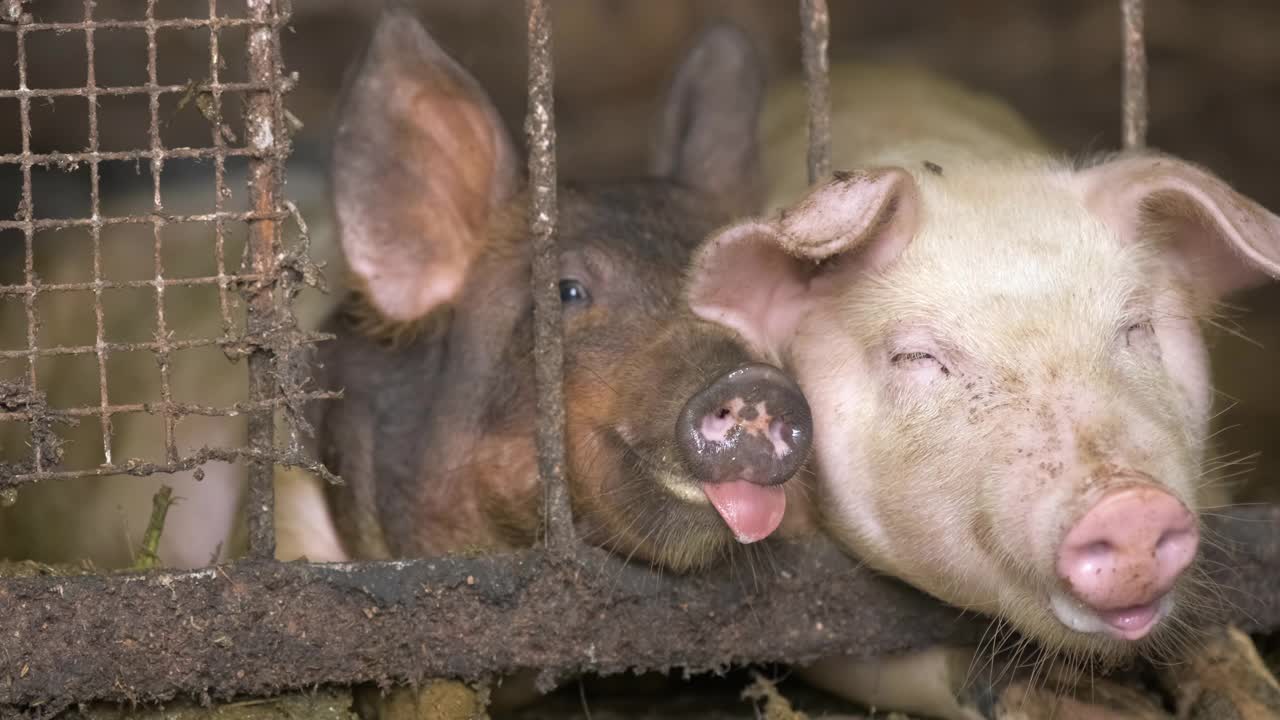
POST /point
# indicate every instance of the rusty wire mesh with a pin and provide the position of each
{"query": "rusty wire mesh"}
(267, 626)
(264, 283)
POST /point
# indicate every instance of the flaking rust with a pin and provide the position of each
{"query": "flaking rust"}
(22, 403)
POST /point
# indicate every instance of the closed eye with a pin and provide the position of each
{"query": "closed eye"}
(1138, 332)
(918, 360)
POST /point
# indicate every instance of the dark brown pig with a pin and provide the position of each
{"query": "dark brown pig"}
(679, 442)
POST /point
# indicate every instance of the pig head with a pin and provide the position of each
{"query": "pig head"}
(679, 440)
(1003, 356)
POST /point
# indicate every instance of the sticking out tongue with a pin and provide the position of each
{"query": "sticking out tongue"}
(751, 511)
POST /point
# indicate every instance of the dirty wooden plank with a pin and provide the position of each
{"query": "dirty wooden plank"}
(258, 628)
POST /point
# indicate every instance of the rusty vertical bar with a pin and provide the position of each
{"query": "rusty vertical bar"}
(95, 229)
(158, 223)
(265, 174)
(815, 30)
(548, 350)
(1134, 84)
(26, 215)
(220, 191)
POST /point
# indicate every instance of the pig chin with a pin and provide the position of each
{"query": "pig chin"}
(1058, 622)
(1066, 625)
(1128, 624)
(655, 512)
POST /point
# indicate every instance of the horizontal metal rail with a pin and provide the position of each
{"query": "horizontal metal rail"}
(261, 628)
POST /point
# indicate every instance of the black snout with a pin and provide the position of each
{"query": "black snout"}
(751, 423)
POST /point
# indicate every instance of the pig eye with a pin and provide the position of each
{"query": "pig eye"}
(918, 361)
(572, 291)
(1138, 333)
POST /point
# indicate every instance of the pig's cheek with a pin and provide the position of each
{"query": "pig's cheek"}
(841, 398)
(946, 527)
(1027, 486)
(1186, 360)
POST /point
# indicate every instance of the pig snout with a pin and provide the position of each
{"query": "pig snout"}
(742, 436)
(1122, 557)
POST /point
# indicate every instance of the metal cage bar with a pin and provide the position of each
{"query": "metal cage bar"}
(260, 628)
(219, 168)
(158, 224)
(95, 200)
(815, 30)
(24, 218)
(548, 343)
(1133, 94)
(266, 177)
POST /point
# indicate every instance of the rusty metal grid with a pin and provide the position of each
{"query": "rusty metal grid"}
(258, 627)
(269, 336)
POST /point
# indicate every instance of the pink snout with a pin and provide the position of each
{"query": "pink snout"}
(1124, 555)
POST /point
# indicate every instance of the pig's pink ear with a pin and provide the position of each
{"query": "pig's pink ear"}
(420, 159)
(761, 277)
(1224, 240)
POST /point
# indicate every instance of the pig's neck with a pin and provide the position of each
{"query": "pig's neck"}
(885, 114)
(414, 486)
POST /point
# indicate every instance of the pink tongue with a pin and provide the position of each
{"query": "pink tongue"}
(751, 511)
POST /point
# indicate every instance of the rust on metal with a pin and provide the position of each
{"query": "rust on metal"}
(157, 228)
(24, 218)
(548, 350)
(266, 176)
(270, 334)
(1134, 91)
(815, 30)
(220, 189)
(95, 231)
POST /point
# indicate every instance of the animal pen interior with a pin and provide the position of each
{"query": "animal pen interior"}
(161, 157)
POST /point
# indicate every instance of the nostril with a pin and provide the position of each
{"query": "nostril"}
(1176, 549)
(724, 413)
(1097, 551)
(1175, 540)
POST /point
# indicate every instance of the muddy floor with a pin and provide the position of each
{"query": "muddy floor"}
(765, 693)
(646, 698)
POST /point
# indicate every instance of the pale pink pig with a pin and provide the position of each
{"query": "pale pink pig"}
(1002, 350)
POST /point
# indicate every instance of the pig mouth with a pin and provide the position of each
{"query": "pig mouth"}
(751, 511)
(1129, 624)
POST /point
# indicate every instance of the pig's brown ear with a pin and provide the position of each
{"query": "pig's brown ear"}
(707, 139)
(761, 277)
(420, 158)
(1224, 240)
